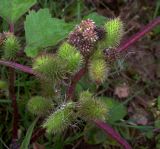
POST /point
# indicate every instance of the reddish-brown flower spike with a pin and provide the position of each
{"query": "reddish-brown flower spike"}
(87, 28)
(84, 37)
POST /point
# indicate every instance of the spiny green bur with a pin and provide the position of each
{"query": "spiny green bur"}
(11, 46)
(39, 105)
(3, 85)
(114, 32)
(50, 67)
(98, 70)
(71, 56)
(59, 120)
(91, 108)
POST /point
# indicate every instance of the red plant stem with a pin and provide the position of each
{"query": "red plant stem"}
(11, 27)
(12, 96)
(17, 66)
(75, 79)
(127, 43)
(14, 103)
(82, 72)
(74, 82)
(112, 133)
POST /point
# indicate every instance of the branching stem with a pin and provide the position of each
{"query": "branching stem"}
(144, 30)
(12, 96)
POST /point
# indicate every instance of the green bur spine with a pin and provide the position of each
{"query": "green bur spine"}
(39, 105)
(114, 31)
(91, 108)
(59, 120)
(98, 70)
(11, 46)
(50, 67)
(71, 56)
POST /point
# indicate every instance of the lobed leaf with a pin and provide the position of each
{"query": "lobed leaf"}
(41, 31)
(12, 10)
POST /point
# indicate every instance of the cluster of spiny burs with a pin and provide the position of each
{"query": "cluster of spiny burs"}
(86, 43)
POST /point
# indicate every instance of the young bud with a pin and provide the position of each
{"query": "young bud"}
(98, 70)
(91, 108)
(10, 47)
(70, 56)
(39, 105)
(50, 67)
(59, 120)
(114, 32)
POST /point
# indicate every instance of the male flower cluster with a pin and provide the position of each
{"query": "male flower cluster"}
(84, 36)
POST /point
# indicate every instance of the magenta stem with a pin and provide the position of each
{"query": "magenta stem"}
(127, 43)
(11, 28)
(74, 82)
(17, 66)
(112, 133)
(12, 96)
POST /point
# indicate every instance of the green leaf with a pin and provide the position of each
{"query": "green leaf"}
(27, 138)
(12, 10)
(41, 31)
(98, 19)
(117, 110)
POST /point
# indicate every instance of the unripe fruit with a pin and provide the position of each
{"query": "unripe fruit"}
(11, 46)
(59, 120)
(91, 108)
(39, 105)
(114, 31)
(98, 70)
(50, 67)
(71, 56)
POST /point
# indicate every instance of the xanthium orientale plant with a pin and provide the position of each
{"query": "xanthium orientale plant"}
(84, 45)
(88, 48)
